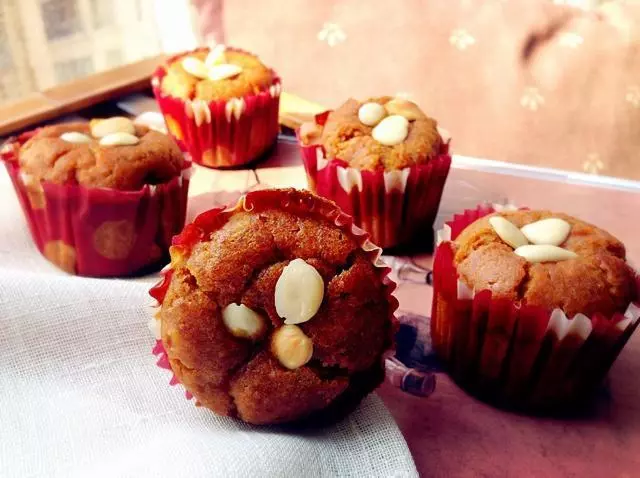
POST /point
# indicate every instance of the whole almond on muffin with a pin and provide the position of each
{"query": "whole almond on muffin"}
(592, 276)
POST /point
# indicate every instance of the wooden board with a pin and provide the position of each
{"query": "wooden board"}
(74, 96)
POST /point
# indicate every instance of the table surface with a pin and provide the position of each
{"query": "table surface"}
(451, 433)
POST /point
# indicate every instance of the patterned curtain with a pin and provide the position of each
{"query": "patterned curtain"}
(552, 83)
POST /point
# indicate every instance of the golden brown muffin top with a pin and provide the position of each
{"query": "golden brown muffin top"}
(128, 167)
(241, 263)
(596, 280)
(345, 136)
(252, 77)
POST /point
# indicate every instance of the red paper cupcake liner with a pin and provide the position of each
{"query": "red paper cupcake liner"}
(99, 232)
(392, 206)
(224, 133)
(519, 355)
(286, 200)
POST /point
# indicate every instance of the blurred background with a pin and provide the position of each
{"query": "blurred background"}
(48, 42)
(552, 83)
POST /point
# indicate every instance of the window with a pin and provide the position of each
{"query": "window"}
(69, 39)
(138, 6)
(6, 58)
(102, 13)
(6, 61)
(113, 58)
(61, 18)
(71, 69)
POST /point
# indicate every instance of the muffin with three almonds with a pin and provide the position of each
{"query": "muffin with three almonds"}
(383, 161)
(102, 198)
(276, 310)
(531, 307)
(220, 104)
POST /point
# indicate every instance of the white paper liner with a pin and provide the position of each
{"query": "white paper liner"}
(234, 108)
(322, 162)
(349, 178)
(275, 90)
(198, 110)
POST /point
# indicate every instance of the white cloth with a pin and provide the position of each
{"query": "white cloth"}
(80, 395)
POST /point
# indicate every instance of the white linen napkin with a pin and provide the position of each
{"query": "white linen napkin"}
(80, 394)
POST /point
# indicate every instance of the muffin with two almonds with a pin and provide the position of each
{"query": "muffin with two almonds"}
(531, 308)
(102, 198)
(220, 104)
(276, 310)
(383, 161)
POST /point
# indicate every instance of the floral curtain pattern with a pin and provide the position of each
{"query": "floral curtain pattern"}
(541, 82)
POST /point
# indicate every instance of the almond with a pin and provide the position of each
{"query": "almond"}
(299, 292)
(243, 322)
(119, 139)
(194, 67)
(223, 71)
(404, 108)
(117, 124)
(75, 137)
(291, 346)
(391, 130)
(371, 113)
(552, 231)
(544, 253)
(216, 56)
(508, 232)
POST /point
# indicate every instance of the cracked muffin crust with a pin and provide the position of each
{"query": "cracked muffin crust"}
(253, 78)
(153, 160)
(345, 136)
(598, 280)
(238, 260)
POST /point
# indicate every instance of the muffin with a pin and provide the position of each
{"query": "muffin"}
(276, 310)
(101, 198)
(531, 308)
(383, 161)
(220, 104)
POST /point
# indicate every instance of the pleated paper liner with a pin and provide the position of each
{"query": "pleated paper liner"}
(299, 204)
(100, 232)
(394, 207)
(225, 133)
(519, 356)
